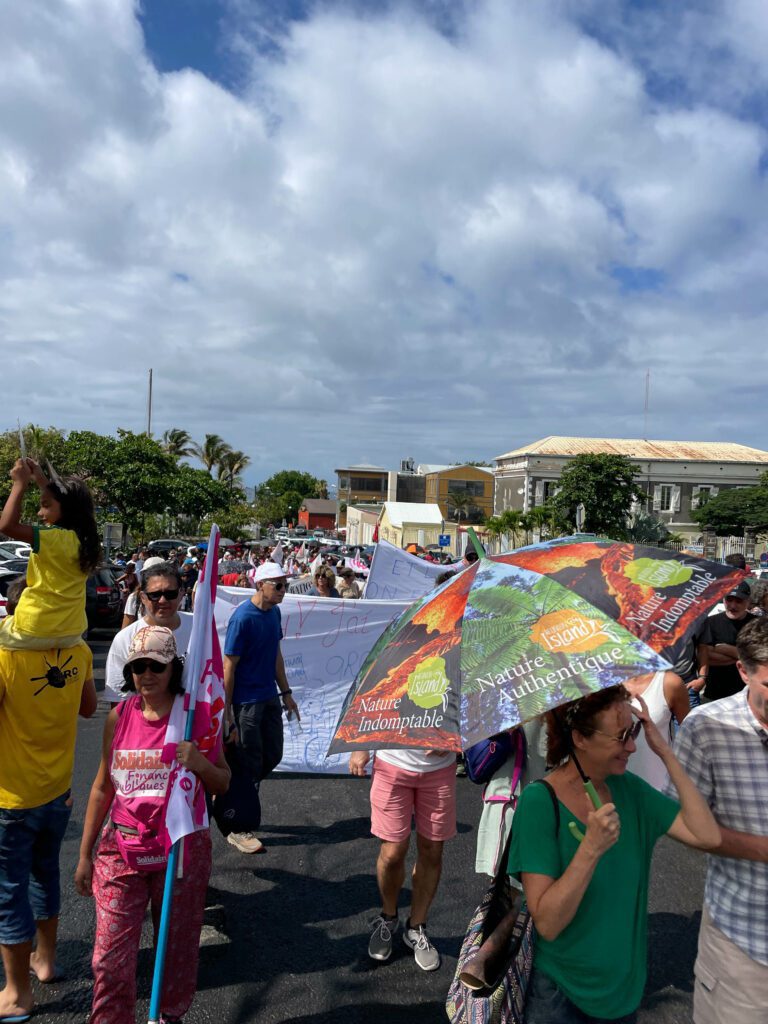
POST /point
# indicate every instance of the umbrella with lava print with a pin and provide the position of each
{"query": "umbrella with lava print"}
(493, 647)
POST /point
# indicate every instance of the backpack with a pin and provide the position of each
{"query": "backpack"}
(485, 758)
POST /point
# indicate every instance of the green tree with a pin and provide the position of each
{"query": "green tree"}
(459, 504)
(233, 521)
(231, 466)
(211, 451)
(281, 496)
(512, 519)
(178, 444)
(607, 488)
(647, 529)
(735, 509)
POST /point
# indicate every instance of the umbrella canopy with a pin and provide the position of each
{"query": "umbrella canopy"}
(516, 635)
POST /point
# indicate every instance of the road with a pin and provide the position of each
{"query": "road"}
(293, 928)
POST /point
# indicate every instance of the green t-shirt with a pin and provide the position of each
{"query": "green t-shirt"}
(599, 960)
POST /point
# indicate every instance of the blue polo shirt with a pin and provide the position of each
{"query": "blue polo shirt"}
(254, 637)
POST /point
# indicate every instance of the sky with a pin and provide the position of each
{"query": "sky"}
(347, 232)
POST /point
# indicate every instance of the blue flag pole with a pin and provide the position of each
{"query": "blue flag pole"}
(175, 852)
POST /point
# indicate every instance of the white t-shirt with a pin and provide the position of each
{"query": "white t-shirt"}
(132, 605)
(118, 655)
(416, 760)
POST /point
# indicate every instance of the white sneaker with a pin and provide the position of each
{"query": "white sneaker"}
(246, 842)
(424, 953)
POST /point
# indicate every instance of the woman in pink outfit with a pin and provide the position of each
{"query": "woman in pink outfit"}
(127, 870)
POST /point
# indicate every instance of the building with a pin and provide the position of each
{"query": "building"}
(317, 513)
(367, 484)
(403, 523)
(448, 485)
(677, 476)
(362, 521)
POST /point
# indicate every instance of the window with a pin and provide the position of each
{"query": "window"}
(475, 488)
(665, 498)
(365, 483)
(551, 487)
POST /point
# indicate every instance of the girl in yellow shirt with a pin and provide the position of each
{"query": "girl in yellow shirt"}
(51, 610)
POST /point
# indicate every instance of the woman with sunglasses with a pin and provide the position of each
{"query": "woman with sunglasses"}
(325, 583)
(585, 870)
(127, 870)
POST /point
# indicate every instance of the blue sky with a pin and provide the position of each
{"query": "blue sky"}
(346, 232)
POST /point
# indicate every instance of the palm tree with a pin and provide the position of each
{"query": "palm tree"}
(494, 527)
(459, 503)
(211, 451)
(512, 520)
(177, 443)
(231, 465)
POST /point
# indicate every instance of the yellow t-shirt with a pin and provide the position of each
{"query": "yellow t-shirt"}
(38, 722)
(53, 603)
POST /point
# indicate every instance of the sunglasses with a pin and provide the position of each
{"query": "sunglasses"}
(278, 586)
(140, 666)
(630, 733)
(155, 595)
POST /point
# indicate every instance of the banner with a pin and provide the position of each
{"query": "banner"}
(325, 642)
(397, 576)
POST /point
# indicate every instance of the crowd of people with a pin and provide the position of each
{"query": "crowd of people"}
(584, 868)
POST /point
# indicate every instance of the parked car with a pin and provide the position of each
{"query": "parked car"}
(14, 549)
(18, 566)
(6, 578)
(161, 548)
(103, 603)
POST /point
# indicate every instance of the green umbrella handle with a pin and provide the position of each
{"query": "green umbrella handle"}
(476, 543)
(591, 792)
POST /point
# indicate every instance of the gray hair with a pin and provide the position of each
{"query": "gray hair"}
(752, 644)
(164, 569)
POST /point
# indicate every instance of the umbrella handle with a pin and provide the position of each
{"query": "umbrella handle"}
(591, 792)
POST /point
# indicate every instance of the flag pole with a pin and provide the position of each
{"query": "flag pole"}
(173, 856)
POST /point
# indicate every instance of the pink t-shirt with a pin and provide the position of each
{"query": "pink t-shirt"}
(139, 776)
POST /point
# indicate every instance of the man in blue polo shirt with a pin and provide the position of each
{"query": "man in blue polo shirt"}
(256, 685)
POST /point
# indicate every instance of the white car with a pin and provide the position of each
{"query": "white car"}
(14, 549)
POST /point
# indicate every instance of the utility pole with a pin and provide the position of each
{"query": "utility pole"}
(149, 406)
(645, 410)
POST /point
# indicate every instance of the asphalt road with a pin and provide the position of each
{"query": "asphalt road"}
(289, 944)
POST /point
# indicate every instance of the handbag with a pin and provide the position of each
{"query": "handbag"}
(496, 958)
(485, 758)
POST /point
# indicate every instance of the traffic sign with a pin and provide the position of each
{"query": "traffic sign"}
(444, 540)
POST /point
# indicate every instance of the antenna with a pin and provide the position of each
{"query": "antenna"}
(645, 410)
(149, 406)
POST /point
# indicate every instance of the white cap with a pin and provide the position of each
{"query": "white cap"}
(269, 571)
(154, 560)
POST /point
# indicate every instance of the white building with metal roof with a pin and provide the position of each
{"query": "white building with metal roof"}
(675, 475)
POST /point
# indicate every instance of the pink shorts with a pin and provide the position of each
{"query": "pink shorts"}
(398, 795)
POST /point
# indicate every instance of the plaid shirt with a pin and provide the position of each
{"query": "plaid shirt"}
(725, 751)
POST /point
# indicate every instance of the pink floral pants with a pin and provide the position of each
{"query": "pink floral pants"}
(121, 896)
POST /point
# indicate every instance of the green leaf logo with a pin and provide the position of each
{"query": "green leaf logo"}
(657, 572)
(428, 683)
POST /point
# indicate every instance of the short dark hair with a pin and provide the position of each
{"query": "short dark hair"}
(14, 592)
(443, 577)
(578, 716)
(736, 559)
(161, 569)
(174, 686)
(752, 644)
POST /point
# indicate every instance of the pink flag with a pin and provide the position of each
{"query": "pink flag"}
(203, 699)
(277, 553)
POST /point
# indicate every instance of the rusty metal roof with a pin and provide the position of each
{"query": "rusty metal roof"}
(633, 448)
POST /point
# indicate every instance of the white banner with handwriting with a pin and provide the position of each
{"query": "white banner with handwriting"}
(398, 576)
(325, 641)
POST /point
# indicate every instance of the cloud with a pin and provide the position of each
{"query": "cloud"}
(438, 230)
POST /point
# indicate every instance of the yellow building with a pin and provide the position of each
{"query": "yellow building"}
(403, 523)
(368, 484)
(467, 490)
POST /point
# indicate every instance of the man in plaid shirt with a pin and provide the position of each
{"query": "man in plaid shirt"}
(724, 749)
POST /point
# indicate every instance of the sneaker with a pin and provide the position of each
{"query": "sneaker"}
(380, 942)
(246, 842)
(424, 953)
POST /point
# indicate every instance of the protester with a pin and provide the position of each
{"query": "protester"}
(41, 695)
(325, 580)
(51, 611)
(724, 748)
(588, 899)
(256, 686)
(13, 593)
(133, 606)
(127, 870)
(716, 651)
(666, 697)
(161, 594)
(405, 784)
(348, 588)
